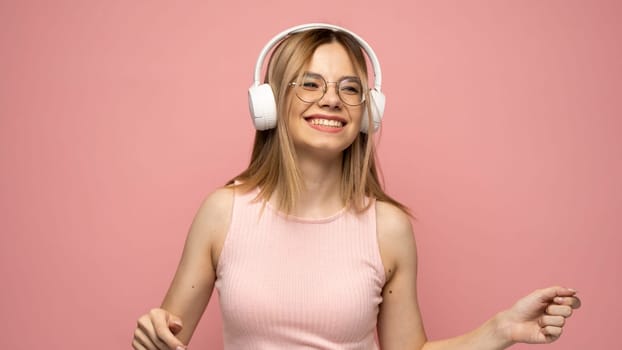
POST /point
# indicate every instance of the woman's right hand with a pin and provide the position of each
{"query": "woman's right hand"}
(156, 330)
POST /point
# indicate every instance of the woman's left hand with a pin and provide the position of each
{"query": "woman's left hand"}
(539, 317)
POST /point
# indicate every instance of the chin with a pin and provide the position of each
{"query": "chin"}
(327, 150)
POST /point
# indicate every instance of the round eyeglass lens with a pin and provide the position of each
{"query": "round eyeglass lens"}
(312, 88)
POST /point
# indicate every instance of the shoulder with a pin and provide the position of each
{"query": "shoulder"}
(391, 220)
(218, 204)
(212, 220)
(395, 237)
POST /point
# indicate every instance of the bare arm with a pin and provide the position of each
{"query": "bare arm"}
(173, 324)
(537, 318)
(399, 320)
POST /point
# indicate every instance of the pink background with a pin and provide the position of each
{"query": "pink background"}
(502, 132)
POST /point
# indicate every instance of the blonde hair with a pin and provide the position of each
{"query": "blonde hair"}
(273, 166)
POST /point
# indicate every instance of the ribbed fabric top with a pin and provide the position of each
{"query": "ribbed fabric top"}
(293, 283)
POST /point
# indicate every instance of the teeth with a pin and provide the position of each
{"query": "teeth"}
(326, 122)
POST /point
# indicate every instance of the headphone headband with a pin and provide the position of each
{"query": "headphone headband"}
(304, 27)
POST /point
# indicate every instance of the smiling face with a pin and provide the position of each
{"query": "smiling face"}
(328, 126)
(277, 159)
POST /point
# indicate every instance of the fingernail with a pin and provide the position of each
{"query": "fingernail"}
(180, 348)
(178, 322)
(572, 290)
(558, 299)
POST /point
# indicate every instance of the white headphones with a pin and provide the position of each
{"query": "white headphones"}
(261, 99)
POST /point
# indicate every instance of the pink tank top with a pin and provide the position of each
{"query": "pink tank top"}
(295, 283)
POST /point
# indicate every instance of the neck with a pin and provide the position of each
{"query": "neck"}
(321, 194)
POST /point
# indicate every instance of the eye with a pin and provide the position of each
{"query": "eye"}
(310, 82)
(350, 87)
(311, 85)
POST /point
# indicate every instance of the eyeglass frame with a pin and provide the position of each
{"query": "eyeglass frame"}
(325, 88)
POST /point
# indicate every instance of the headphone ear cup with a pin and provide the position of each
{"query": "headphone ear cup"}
(376, 104)
(262, 105)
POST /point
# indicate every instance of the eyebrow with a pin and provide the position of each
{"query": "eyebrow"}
(343, 77)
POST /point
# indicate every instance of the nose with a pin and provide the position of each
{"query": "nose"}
(331, 97)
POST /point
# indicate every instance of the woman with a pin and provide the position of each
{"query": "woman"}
(305, 248)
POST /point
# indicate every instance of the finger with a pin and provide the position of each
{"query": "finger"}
(559, 310)
(565, 292)
(174, 324)
(546, 295)
(141, 338)
(136, 345)
(162, 331)
(573, 302)
(552, 331)
(168, 338)
(557, 321)
(147, 328)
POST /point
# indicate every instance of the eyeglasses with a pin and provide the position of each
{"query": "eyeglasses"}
(312, 87)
